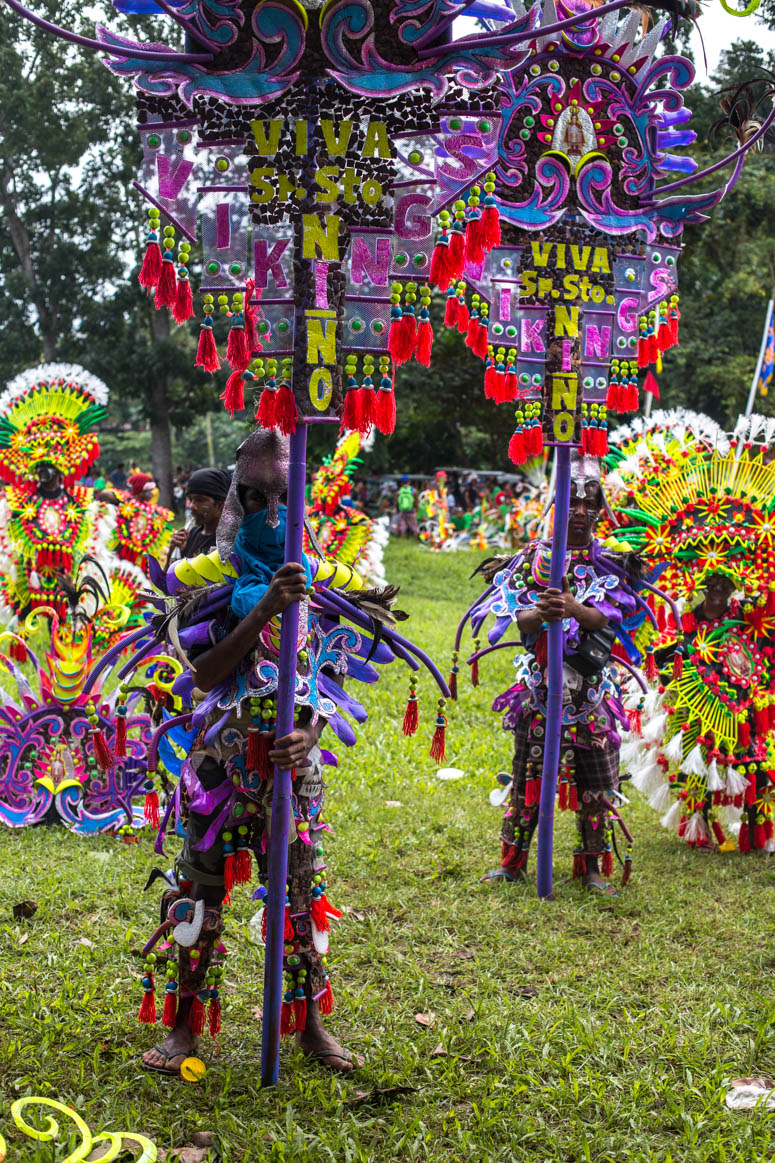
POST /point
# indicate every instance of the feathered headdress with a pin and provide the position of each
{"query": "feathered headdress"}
(47, 416)
(705, 513)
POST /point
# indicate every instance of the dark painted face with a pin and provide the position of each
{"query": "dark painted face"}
(583, 512)
(254, 498)
(49, 478)
(718, 590)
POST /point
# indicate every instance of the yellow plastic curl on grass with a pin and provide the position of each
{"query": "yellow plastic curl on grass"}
(116, 1140)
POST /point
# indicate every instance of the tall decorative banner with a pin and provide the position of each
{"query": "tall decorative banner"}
(311, 148)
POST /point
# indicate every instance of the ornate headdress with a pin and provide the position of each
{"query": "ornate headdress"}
(707, 512)
(47, 416)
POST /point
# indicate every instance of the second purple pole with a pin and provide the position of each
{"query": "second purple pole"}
(281, 792)
(553, 735)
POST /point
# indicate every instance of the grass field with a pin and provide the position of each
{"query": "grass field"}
(582, 1029)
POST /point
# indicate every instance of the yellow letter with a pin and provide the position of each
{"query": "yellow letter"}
(600, 260)
(320, 388)
(564, 391)
(302, 138)
(327, 180)
(321, 341)
(564, 426)
(267, 146)
(318, 237)
(566, 320)
(336, 146)
(376, 143)
(528, 282)
(541, 252)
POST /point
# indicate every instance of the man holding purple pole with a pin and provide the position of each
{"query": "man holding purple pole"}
(251, 787)
(228, 780)
(597, 591)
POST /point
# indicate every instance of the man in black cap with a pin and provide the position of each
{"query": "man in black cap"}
(206, 491)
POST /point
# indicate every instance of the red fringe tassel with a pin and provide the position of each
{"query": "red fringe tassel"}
(438, 751)
(183, 308)
(385, 411)
(170, 1012)
(196, 1017)
(150, 271)
(167, 286)
(285, 410)
(326, 1000)
(207, 352)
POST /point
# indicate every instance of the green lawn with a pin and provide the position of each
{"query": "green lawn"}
(575, 1030)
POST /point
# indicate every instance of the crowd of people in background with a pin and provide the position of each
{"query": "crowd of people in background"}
(122, 476)
(471, 498)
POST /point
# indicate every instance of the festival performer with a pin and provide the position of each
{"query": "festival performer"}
(62, 571)
(143, 528)
(230, 644)
(701, 745)
(206, 491)
(598, 589)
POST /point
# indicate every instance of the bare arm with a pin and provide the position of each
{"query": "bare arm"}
(288, 585)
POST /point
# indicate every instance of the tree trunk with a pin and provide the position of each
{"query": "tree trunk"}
(20, 238)
(157, 402)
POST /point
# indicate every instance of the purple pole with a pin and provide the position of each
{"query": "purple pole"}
(281, 794)
(554, 680)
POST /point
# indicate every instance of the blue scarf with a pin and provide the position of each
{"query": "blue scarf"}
(262, 552)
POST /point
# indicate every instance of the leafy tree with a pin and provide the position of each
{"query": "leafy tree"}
(71, 231)
(727, 269)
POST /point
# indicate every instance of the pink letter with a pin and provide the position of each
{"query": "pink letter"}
(223, 226)
(171, 182)
(455, 146)
(420, 225)
(265, 262)
(321, 285)
(597, 342)
(363, 263)
(627, 316)
(531, 338)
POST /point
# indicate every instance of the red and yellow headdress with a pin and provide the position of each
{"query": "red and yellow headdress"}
(47, 416)
(706, 512)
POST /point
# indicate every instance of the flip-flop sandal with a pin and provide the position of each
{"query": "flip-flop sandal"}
(345, 1055)
(164, 1068)
(499, 874)
(603, 889)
